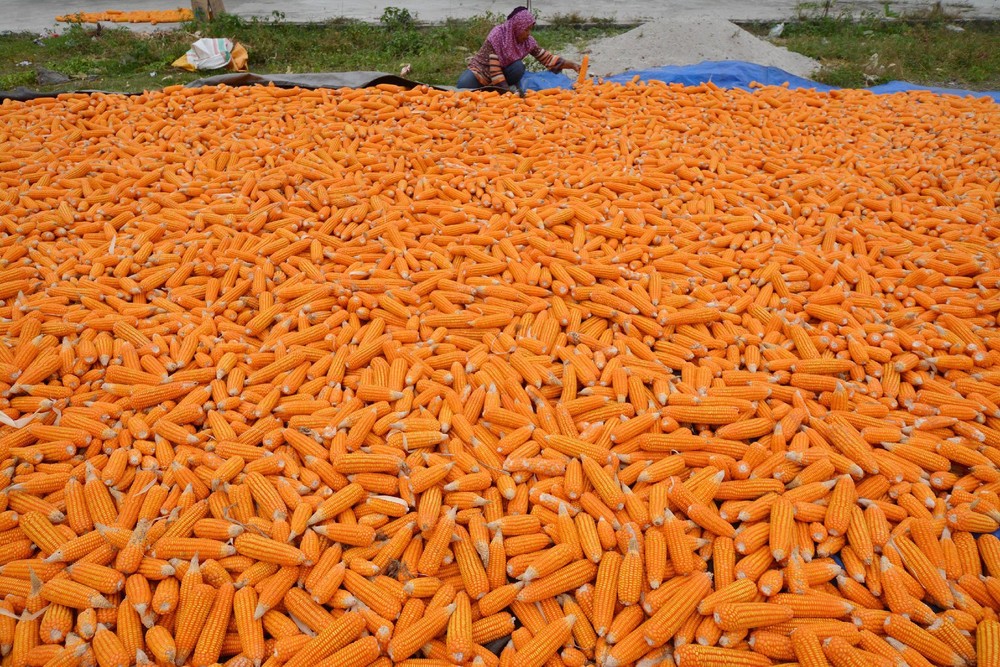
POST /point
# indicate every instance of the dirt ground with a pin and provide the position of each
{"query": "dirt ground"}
(39, 15)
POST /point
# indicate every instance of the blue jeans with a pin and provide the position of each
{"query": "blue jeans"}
(512, 72)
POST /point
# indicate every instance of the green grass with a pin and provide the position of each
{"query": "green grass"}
(115, 58)
(875, 49)
(853, 52)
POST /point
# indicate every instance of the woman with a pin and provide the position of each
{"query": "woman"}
(499, 62)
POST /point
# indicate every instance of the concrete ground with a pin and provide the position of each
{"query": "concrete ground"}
(39, 15)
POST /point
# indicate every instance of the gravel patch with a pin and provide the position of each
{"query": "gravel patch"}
(688, 41)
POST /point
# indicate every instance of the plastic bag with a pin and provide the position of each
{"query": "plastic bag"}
(214, 53)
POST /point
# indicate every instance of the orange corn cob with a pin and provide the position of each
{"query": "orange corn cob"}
(745, 615)
(408, 641)
(545, 643)
(329, 369)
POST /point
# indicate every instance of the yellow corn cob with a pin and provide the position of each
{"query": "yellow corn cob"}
(394, 547)
(964, 519)
(583, 632)
(443, 597)
(422, 479)
(624, 623)
(191, 615)
(548, 561)
(741, 590)
(340, 501)
(217, 529)
(696, 414)
(287, 646)
(841, 653)
(102, 579)
(209, 644)
(73, 595)
(745, 615)
(545, 643)
(359, 535)
(492, 627)
(248, 624)
(470, 565)
(710, 520)
(694, 655)
(264, 549)
(413, 609)
(562, 580)
(360, 653)
(332, 638)
(8, 624)
(723, 561)
(161, 644)
(859, 537)
(109, 650)
(590, 542)
(299, 604)
(40, 530)
(878, 526)
(186, 548)
(746, 429)
(430, 559)
(668, 619)
(148, 397)
(606, 486)
(774, 645)
(25, 637)
(129, 629)
(516, 524)
(407, 641)
(266, 495)
(807, 647)
(576, 447)
(814, 604)
(57, 622)
(499, 598)
(708, 632)
(950, 634)
(924, 571)
(655, 556)
(988, 643)
(916, 637)
(838, 512)
(423, 587)
(629, 584)
(925, 536)
(681, 554)
(459, 633)
(606, 591)
(372, 595)
(846, 438)
(166, 596)
(781, 526)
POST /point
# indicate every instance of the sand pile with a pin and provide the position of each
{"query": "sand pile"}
(687, 41)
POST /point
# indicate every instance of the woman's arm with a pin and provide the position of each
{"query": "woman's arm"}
(552, 62)
(496, 72)
(486, 66)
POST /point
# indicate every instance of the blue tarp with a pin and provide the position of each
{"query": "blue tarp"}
(732, 74)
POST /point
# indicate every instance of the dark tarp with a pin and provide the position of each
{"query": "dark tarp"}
(725, 74)
(307, 80)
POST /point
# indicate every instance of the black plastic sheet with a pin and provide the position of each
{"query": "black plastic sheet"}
(309, 80)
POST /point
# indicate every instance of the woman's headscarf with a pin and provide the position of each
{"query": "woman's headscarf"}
(503, 38)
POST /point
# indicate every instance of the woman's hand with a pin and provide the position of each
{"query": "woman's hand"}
(569, 64)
